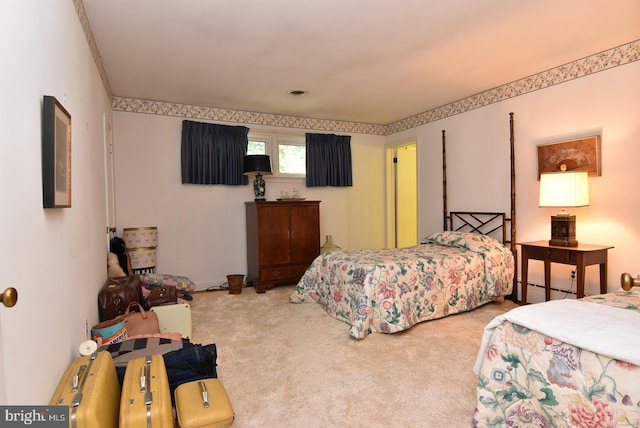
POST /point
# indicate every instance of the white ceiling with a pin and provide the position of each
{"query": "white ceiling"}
(371, 61)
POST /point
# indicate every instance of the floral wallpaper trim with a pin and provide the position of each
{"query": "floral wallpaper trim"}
(614, 57)
(86, 28)
(605, 60)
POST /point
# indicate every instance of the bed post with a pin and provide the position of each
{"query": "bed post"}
(444, 182)
(514, 250)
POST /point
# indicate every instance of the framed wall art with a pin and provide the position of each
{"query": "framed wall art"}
(56, 154)
(582, 154)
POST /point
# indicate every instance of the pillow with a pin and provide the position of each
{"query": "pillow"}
(180, 282)
(467, 240)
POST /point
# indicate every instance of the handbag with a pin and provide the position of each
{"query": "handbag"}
(143, 322)
(162, 295)
(116, 294)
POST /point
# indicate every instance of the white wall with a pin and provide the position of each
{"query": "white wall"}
(54, 257)
(202, 232)
(606, 103)
(201, 228)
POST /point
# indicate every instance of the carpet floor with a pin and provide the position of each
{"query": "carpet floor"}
(293, 365)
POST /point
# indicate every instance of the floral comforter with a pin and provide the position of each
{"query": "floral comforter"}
(388, 291)
(529, 378)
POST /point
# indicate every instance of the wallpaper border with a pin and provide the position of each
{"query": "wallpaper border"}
(614, 57)
(601, 61)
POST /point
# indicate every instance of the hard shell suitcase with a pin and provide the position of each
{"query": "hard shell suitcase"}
(146, 400)
(203, 404)
(174, 318)
(91, 390)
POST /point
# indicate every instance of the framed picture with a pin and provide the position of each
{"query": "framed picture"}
(56, 154)
(582, 154)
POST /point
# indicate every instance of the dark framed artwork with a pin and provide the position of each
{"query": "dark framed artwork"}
(581, 154)
(56, 154)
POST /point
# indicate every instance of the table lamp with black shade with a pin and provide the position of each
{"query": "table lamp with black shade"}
(260, 165)
(564, 189)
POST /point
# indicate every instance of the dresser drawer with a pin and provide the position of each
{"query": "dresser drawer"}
(275, 274)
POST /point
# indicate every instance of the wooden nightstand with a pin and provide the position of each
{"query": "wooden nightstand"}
(581, 256)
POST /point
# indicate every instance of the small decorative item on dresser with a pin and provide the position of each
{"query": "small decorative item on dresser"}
(329, 245)
(235, 283)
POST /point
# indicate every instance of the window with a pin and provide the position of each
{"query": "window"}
(288, 152)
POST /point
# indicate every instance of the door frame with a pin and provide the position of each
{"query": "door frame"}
(390, 188)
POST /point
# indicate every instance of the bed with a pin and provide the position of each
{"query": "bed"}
(468, 264)
(388, 291)
(562, 363)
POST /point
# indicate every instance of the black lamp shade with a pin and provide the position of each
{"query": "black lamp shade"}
(259, 164)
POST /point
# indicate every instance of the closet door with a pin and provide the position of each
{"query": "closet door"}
(273, 234)
(305, 234)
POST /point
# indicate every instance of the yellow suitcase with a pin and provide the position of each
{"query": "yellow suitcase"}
(91, 390)
(203, 404)
(145, 399)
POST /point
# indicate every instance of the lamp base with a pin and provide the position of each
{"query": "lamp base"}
(563, 231)
(259, 188)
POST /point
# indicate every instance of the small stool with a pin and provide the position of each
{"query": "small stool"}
(203, 404)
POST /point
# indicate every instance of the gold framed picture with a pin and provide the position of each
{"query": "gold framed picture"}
(581, 154)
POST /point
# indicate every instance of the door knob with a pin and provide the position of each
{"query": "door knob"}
(9, 297)
(627, 281)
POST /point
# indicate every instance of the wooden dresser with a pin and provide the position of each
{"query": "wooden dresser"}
(283, 238)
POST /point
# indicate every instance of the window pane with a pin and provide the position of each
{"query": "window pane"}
(257, 148)
(291, 159)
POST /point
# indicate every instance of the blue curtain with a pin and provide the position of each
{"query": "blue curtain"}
(213, 154)
(328, 160)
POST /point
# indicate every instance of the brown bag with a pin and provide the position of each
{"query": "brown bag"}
(162, 295)
(116, 294)
(143, 322)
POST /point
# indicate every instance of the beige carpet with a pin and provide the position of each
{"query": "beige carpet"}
(292, 365)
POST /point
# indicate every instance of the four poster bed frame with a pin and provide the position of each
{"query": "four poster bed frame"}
(486, 223)
(468, 264)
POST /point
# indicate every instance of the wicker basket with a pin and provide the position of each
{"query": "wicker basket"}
(235, 283)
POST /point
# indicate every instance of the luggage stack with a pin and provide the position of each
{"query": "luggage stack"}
(179, 388)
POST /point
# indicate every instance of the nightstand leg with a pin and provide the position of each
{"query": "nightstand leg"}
(603, 278)
(524, 281)
(547, 280)
(580, 267)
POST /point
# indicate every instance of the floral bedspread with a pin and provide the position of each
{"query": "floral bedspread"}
(530, 379)
(391, 290)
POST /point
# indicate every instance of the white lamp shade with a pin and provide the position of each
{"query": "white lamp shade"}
(564, 189)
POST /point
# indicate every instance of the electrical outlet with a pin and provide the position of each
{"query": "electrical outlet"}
(573, 274)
